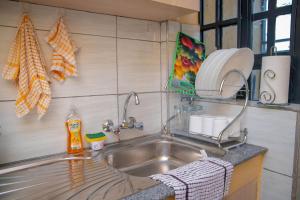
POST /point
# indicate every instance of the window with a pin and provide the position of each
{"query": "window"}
(219, 24)
(270, 25)
(226, 23)
(259, 36)
(257, 24)
(283, 32)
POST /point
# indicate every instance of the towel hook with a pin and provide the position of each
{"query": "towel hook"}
(61, 12)
(25, 7)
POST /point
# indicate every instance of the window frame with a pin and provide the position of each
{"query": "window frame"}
(219, 23)
(271, 14)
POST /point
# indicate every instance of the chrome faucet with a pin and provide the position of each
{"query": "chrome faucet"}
(125, 123)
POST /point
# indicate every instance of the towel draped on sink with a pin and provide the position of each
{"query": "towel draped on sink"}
(63, 56)
(26, 66)
(207, 179)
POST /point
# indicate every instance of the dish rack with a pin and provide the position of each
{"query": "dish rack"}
(231, 142)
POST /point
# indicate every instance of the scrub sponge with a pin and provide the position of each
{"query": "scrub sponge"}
(95, 137)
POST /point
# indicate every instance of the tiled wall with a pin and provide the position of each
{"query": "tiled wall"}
(116, 55)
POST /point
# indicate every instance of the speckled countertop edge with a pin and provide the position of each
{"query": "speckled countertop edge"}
(235, 156)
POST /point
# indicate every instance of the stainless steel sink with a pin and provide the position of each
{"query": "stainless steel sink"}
(157, 156)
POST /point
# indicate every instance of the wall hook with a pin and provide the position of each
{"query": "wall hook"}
(25, 8)
(61, 12)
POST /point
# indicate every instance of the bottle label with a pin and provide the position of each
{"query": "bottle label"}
(74, 128)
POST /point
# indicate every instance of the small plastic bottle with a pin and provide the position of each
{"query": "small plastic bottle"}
(73, 125)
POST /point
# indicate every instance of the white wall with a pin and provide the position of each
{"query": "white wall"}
(116, 55)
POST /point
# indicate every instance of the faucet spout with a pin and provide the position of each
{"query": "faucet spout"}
(137, 102)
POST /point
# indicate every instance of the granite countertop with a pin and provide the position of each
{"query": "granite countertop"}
(93, 178)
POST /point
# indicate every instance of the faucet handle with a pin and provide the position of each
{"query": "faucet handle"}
(131, 122)
(124, 125)
(108, 125)
(139, 125)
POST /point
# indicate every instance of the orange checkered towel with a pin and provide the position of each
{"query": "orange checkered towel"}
(26, 65)
(63, 61)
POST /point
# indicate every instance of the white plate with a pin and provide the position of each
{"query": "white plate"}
(200, 82)
(216, 65)
(205, 75)
(242, 60)
(206, 81)
(222, 59)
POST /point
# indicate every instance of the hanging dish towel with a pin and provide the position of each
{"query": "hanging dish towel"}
(207, 179)
(63, 61)
(26, 65)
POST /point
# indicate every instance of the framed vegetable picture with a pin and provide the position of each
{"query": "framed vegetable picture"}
(187, 60)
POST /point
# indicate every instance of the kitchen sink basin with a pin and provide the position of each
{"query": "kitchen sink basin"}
(158, 156)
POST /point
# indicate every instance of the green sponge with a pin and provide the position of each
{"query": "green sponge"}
(95, 137)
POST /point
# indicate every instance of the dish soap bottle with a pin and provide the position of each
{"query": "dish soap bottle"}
(73, 124)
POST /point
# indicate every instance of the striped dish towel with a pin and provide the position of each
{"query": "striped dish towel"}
(26, 66)
(207, 179)
(63, 58)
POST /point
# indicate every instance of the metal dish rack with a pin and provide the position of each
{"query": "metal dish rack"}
(219, 141)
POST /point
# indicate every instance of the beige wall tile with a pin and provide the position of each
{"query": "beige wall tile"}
(165, 71)
(173, 28)
(97, 72)
(90, 23)
(44, 17)
(138, 66)
(96, 60)
(275, 130)
(164, 65)
(163, 31)
(10, 13)
(191, 30)
(148, 112)
(275, 186)
(7, 88)
(138, 29)
(28, 137)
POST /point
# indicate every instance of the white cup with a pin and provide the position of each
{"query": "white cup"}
(195, 124)
(219, 124)
(98, 145)
(207, 125)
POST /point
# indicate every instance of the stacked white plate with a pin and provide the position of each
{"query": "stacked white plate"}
(219, 63)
